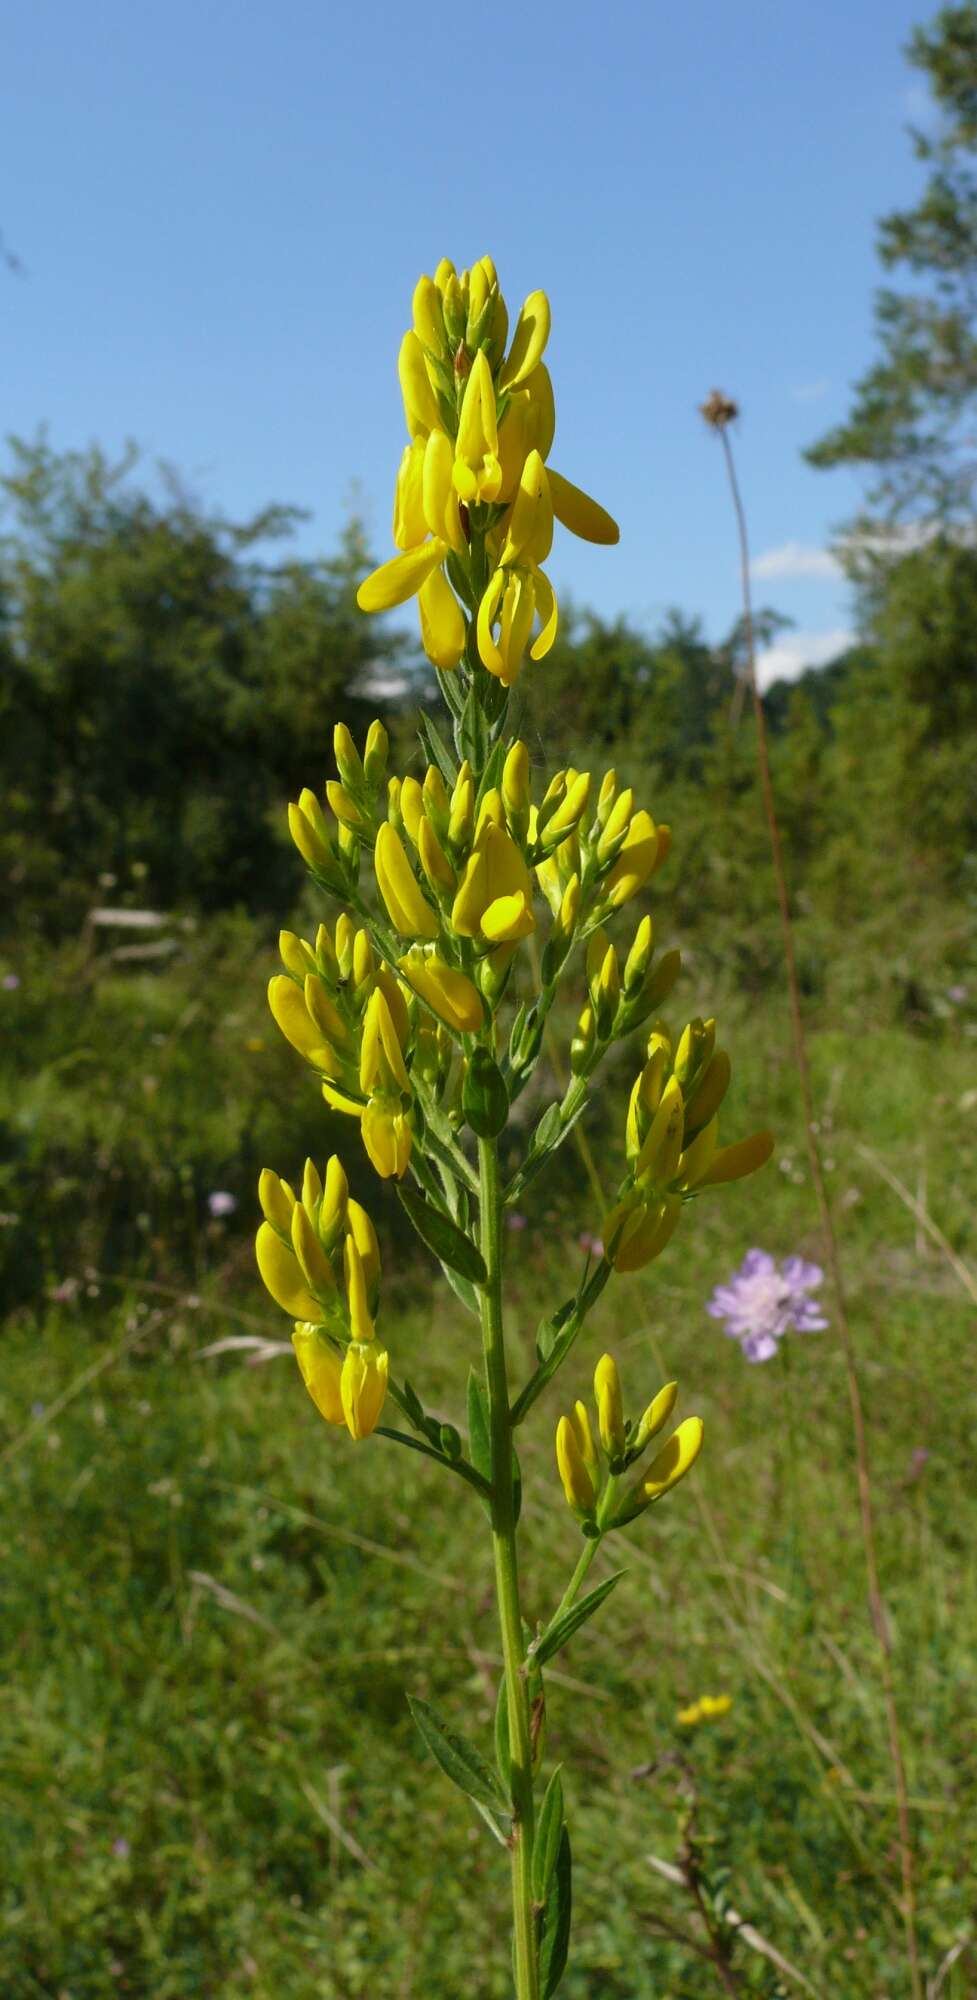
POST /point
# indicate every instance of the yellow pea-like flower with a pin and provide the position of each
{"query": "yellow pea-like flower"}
(291, 1015)
(429, 317)
(387, 1138)
(710, 1091)
(402, 577)
(733, 1163)
(382, 1066)
(434, 860)
(409, 910)
(698, 1157)
(511, 602)
(363, 1387)
(610, 1407)
(637, 860)
(647, 1235)
(673, 1462)
(494, 898)
(662, 1149)
(410, 527)
(532, 331)
(443, 628)
(529, 528)
(321, 1369)
(582, 515)
(448, 992)
(282, 1277)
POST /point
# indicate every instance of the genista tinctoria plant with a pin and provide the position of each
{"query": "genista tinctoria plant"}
(403, 1011)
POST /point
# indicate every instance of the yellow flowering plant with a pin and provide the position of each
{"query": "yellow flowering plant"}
(422, 1013)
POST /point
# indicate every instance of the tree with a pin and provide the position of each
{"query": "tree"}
(912, 419)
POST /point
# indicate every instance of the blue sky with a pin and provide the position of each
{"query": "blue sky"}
(222, 211)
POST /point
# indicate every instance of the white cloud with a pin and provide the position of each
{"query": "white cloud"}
(788, 657)
(795, 559)
(810, 392)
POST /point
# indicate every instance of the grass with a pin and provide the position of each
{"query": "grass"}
(213, 1607)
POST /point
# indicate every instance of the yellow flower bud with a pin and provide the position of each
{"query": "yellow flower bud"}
(477, 472)
(277, 1200)
(436, 802)
(411, 807)
(410, 912)
(312, 1260)
(311, 1187)
(321, 1369)
(656, 1415)
(610, 1408)
(356, 1291)
(618, 821)
(295, 955)
(581, 1493)
(364, 960)
(363, 1387)
(375, 754)
(639, 957)
(311, 838)
(568, 815)
(282, 1277)
(434, 860)
(361, 1229)
(428, 317)
(461, 820)
(585, 1439)
(515, 789)
(335, 1198)
(322, 1011)
(345, 808)
(420, 402)
(347, 756)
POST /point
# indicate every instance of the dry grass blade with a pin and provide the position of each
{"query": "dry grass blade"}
(754, 1938)
(925, 1220)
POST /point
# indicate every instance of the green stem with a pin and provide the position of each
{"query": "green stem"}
(571, 1592)
(507, 1577)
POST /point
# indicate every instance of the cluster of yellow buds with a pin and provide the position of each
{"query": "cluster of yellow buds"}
(475, 501)
(456, 873)
(318, 1257)
(598, 1502)
(708, 1708)
(346, 1014)
(672, 1142)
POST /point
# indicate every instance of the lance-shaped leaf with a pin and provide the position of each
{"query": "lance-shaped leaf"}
(555, 1934)
(480, 1439)
(459, 1759)
(549, 1835)
(450, 1244)
(557, 1634)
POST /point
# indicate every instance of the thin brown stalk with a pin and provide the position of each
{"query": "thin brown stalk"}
(719, 413)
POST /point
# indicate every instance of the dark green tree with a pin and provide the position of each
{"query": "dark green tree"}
(912, 419)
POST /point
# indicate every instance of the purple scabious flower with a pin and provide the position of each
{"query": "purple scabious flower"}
(764, 1300)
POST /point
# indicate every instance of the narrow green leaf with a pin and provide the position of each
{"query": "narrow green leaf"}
(450, 1244)
(555, 1939)
(437, 751)
(503, 1754)
(462, 1290)
(549, 1831)
(479, 1435)
(459, 1759)
(553, 1640)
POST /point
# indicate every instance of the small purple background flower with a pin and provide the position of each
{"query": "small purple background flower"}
(764, 1300)
(221, 1202)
